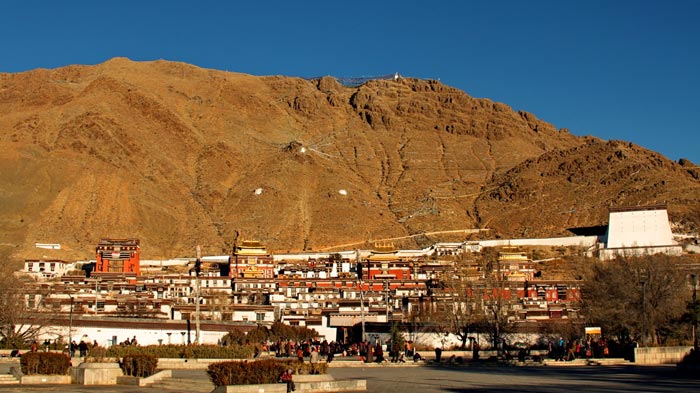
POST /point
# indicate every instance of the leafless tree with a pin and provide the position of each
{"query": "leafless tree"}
(19, 319)
(636, 298)
(498, 301)
(473, 297)
(459, 301)
(220, 303)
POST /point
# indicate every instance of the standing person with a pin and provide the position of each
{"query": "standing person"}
(379, 352)
(475, 350)
(395, 350)
(287, 377)
(300, 354)
(34, 347)
(331, 352)
(83, 347)
(570, 352)
(438, 354)
(314, 358)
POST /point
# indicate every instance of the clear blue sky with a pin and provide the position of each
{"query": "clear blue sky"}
(614, 69)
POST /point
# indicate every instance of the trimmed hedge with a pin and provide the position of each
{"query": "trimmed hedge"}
(139, 365)
(45, 363)
(257, 372)
(184, 351)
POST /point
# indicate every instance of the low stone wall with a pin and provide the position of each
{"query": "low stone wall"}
(352, 385)
(188, 364)
(660, 355)
(96, 373)
(135, 381)
(45, 379)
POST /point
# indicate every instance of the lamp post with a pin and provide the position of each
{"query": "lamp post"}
(198, 267)
(643, 281)
(97, 289)
(695, 311)
(70, 328)
(360, 275)
(386, 298)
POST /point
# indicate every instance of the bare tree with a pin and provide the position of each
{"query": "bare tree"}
(474, 297)
(220, 303)
(459, 301)
(498, 299)
(19, 319)
(636, 298)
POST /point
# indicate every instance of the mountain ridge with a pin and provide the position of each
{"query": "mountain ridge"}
(177, 155)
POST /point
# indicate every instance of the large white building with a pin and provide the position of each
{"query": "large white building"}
(636, 231)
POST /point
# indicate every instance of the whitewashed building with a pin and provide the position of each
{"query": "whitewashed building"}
(46, 269)
(637, 231)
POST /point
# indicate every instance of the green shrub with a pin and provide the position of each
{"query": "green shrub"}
(98, 355)
(233, 338)
(257, 372)
(139, 365)
(45, 363)
(282, 331)
(184, 351)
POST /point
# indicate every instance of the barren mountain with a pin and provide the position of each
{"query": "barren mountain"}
(178, 155)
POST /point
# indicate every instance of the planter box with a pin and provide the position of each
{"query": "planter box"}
(45, 379)
(136, 381)
(354, 385)
(188, 364)
(96, 374)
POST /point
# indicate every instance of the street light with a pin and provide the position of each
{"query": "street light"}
(643, 281)
(198, 267)
(695, 309)
(386, 298)
(360, 275)
(70, 328)
(98, 280)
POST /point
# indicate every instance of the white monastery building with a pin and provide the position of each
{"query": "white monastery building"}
(641, 230)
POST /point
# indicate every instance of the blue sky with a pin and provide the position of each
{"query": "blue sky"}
(615, 69)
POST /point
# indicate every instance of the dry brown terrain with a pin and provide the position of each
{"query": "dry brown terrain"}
(178, 155)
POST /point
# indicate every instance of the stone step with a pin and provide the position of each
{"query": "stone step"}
(8, 379)
(186, 385)
(588, 362)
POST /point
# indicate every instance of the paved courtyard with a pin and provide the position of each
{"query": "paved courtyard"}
(524, 379)
(463, 379)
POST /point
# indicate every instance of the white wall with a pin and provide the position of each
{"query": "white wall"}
(641, 228)
(104, 335)
(570, 241)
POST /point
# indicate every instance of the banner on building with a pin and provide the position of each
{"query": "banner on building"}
(593, 330)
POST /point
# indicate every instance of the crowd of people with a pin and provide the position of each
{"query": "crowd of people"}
(364, 350)
(576, 349)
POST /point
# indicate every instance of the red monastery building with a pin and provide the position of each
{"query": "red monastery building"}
(118, 256)
(251, 260)
(385, 263)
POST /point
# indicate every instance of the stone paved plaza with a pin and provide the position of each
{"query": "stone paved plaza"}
(463, 379)
(524, 379)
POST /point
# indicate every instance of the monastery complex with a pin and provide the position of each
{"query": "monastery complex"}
(198, 300)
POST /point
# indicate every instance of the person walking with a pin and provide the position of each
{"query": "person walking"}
(288, 378)
(314, 358)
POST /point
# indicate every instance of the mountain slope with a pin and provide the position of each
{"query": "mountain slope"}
(565, 189)
(177, 156)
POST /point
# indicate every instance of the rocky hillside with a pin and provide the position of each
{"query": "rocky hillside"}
(178, 155)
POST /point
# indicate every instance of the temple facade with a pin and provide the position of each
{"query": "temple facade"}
(118, 256)
(250, 259)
